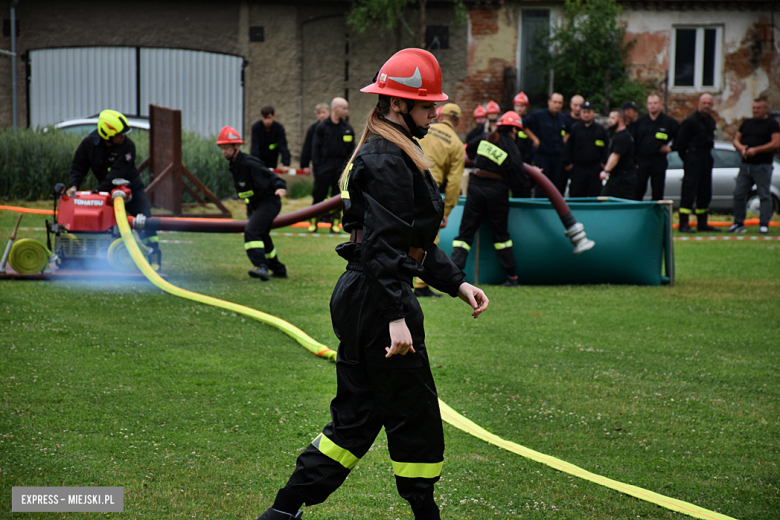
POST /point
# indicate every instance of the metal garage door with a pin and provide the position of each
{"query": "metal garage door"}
(82, 81)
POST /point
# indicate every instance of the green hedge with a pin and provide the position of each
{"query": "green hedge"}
(33, 161)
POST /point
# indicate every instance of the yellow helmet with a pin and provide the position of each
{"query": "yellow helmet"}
(111, 123)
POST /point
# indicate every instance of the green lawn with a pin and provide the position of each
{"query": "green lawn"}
(199, 413)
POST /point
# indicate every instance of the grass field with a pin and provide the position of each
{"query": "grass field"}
(199, 413)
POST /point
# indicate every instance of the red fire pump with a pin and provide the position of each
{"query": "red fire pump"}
(85, 231)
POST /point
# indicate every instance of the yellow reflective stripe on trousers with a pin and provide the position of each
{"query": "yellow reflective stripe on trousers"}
(272, 254)
(257, 244)
(332, 450)
(461, 243)
(685, 211)
(702, 210)
(503, 245)
(417, 469)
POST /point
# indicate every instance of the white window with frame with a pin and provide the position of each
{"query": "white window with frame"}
(696, 58)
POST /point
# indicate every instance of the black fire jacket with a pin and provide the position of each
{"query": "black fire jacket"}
(268, 144)
(332, 146)
(398, 207)
(106, 162)
(254, 181)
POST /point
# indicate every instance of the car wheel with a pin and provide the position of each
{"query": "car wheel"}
(754, 204)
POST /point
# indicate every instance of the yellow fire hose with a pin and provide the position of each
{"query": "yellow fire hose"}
(28, 256)
(449, 415)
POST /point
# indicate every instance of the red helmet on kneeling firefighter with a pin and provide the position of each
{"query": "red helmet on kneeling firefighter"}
(410, 83)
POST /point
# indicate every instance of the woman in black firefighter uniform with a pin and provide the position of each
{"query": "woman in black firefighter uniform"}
(263, 192)
(110, 154)
(393, 209)
(498, 167)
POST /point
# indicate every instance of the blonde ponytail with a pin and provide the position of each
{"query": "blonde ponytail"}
(375, 125)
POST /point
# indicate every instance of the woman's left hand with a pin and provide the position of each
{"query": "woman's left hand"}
(475, 297)
(281, 193)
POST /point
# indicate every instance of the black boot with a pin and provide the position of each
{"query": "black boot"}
(701, 224)
(511, 281)
(278, 269)
(684, 226)
(275, 514)
(261, 272)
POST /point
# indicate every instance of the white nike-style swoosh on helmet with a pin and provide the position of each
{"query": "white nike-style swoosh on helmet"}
(231, 136)
(414, 81)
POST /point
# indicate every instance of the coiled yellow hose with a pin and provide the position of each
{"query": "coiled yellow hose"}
(28, 256)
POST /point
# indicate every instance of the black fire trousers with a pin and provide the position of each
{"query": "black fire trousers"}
(324, 182)
(486, 198)
(552, 168)
(654, 169)
(585, 180)
(697, 182)
(257, 239)
(620, 184)
(374, 392)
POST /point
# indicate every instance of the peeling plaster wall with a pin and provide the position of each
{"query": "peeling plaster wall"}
(492, 47)
(750, 69)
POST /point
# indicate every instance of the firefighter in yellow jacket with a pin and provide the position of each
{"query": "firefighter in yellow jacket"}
(445, 150)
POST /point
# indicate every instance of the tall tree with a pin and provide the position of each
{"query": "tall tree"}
(588, 54)
(391, 14)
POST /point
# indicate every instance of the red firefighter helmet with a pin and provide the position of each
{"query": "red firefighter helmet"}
(521, 98)
(409, 74)
(510, 119)
(229, 135)
(493, 108)
(479, 111)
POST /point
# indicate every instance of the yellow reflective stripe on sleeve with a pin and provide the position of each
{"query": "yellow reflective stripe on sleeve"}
(246, 194)
(347, 138)
(685, 211)
(345, 194)
(417, 469)
(563, 132)
(333, 451)
(662, 136)
(257, 244)
(503, 245)
(461, 243)
(600, 143)
(272, 254)
(700, 211)
(492, 152)
(272, 146)
(521, 134)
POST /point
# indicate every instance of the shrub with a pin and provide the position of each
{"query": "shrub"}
(33, 161)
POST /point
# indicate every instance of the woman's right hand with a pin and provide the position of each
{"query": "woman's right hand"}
(400, 339)
(475, 297)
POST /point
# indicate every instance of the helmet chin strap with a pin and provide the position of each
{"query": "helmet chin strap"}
(417, 131)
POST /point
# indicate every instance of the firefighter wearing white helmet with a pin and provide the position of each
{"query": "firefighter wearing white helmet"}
(392, 209)
(498, 167)
(263, 192)
(110, 154)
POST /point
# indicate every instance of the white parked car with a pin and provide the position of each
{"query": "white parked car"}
(724, 174)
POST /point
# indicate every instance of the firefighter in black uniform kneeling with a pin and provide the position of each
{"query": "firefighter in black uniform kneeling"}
(498, 167)
(110, 154)
(393, 209)
(263, 192)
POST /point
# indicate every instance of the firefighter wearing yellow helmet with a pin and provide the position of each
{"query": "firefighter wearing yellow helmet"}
(110, 154)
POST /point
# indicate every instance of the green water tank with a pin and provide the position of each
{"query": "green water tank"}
(633, 243)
